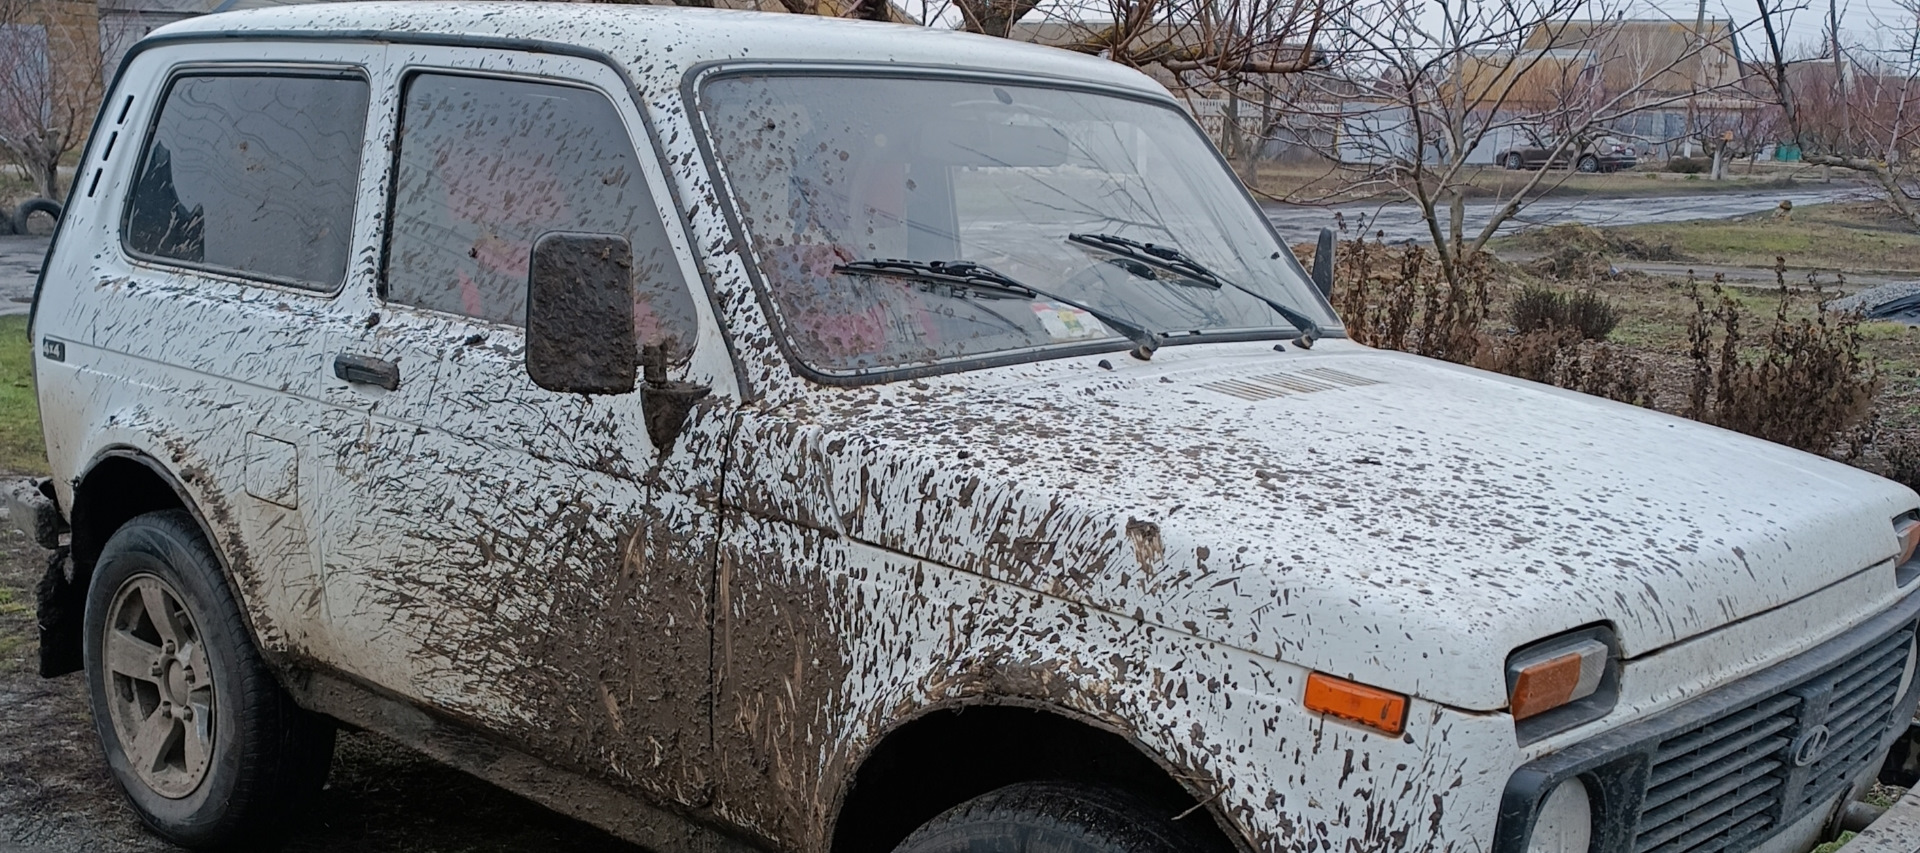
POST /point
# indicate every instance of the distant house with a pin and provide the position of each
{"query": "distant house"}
(1210, 102)
(1670, 68)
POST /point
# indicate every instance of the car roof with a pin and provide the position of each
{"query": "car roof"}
(658, 44)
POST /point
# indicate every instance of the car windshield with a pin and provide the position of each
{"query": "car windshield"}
(831, 173)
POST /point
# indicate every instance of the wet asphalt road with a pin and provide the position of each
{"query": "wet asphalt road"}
(1402, 222)
(20, 259)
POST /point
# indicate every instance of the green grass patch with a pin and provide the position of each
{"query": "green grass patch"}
(1835, 844)
(22, 446)
(1845, 237)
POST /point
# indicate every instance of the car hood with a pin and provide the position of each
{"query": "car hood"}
(1392, 519)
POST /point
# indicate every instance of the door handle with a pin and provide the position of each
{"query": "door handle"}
(367, 370)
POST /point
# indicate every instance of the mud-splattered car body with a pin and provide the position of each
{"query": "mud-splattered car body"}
(762, 612)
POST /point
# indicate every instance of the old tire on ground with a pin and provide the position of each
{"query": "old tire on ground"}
(1057, 817)
(1589, 164)
(210, 752)
(1513, 162)
(31, 206)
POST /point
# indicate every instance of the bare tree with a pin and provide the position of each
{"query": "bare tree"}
(1861, 112)
(994, 17)
(1429, 93)
(48, 87)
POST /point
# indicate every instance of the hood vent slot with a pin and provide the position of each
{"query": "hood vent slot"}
(1272, 386)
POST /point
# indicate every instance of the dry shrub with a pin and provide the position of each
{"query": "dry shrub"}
(1563, 359)
(1398, 298)
(1592, 315)
(1688, 165)
(1537, 308)
(1902, 453)
(1804, 383)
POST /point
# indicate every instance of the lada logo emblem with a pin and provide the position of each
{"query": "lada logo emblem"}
(1808, 747)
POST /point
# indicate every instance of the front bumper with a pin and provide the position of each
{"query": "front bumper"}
(1897, 831)
(1735, 768)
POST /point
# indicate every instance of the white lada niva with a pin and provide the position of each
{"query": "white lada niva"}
(763, 432)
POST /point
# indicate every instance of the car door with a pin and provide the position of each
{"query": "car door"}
(222, 283)
(534, 562)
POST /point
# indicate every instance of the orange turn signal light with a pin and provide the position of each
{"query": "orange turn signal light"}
(1908, 530)
(1368, 706)
(1543, 684)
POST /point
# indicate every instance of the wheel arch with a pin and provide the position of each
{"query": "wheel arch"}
(948, 753)
(118, 484)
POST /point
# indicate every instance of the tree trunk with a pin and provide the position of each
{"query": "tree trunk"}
(993, 17)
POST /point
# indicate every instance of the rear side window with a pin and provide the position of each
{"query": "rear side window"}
(486, 166)
(254, 174)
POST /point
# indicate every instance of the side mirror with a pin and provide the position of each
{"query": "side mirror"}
(580, 336)
(1323, 263)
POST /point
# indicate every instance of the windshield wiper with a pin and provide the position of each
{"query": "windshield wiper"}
(1179, 263)
(966, 278)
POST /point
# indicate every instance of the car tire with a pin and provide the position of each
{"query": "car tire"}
(1514, 163)
(1058, 817)
(1589, 164)
(31, 206)
(210, 751)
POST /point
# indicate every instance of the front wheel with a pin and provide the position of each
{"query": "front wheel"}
(1514, 163)
(1589, 164)
(1058, 817)
(210, 752)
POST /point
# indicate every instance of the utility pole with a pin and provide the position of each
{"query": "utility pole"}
(1700, 68)
(1840, 76)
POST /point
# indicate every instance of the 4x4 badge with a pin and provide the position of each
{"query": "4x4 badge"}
(53, 350)
(1808, 747)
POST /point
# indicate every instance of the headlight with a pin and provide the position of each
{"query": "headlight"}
(1566, 821)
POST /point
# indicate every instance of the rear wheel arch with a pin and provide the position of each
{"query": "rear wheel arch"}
(119, 484)
(947, 755)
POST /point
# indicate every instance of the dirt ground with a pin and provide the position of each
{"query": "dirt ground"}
(56, 796)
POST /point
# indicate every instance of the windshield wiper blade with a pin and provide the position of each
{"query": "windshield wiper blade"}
(1179, 263)
(966, 278)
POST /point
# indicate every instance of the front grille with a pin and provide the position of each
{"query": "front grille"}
(1722, 780)
(1730, 781)
(1731, 768)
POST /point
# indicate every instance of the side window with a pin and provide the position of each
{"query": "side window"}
(486, 166)
(252, 173)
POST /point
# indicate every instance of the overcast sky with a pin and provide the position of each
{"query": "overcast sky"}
(1861, 21)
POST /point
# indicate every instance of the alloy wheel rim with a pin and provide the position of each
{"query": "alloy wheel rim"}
(160, 689)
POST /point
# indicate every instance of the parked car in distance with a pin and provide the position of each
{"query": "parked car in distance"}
(1604, 155)
(768, 432)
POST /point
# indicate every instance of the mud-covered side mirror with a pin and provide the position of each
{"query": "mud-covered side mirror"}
(1323, 263)
(580, 336)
